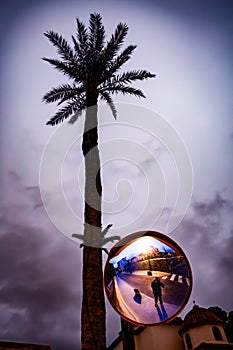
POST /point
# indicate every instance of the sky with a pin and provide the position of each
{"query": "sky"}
(188, 45)
(139, 246)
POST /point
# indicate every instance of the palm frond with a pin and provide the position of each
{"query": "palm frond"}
(125, 90)
(76, 94)
(65, 112)
(96, 32)
(114, 44)
(62, 93)
(104, 95)
(76, 47)
(128, 77)
(75, 117)
(62, 45)
(82, 38)
(77, 114)
(91, 63)
(122, 58)
(116, 64)
(62, 67)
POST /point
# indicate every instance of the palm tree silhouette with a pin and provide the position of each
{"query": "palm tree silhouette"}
(93, 66)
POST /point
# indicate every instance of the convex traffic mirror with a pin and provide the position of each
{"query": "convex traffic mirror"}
(147, 277)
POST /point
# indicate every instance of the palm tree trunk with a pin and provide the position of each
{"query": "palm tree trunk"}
(93, 316)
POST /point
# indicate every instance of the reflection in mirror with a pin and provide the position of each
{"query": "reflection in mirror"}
(148, 279)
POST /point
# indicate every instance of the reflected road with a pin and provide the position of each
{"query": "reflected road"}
(123, 296)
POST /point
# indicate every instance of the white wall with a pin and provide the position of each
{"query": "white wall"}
(204, 333)
(162, 337)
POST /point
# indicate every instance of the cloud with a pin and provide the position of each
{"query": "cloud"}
(40, 275)
(40, 293)
(39, 285)
(206, 237)
(214, 207)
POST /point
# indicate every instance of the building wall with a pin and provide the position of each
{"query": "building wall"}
(204, 333)
(119, 346)
(161, 337)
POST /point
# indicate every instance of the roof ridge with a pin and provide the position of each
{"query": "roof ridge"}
(198, 316)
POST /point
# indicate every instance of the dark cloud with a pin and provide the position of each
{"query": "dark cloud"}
(34, 193)
(40, 275)
(206, 237)
(225, 264)
(39, 286)
(213, 207)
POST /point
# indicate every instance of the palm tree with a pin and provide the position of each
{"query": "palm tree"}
(93, 66)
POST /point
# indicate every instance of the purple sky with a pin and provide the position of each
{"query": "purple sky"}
(189, 46)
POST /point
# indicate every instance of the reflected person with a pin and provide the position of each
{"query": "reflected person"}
(157, 286)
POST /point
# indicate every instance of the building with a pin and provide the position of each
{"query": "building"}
(22, 346)
(200, 330)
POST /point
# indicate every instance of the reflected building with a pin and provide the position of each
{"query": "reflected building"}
(122, 263)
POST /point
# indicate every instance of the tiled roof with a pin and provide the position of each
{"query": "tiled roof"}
(198, 316)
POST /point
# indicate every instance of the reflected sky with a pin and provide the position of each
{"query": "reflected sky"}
(139, 246)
